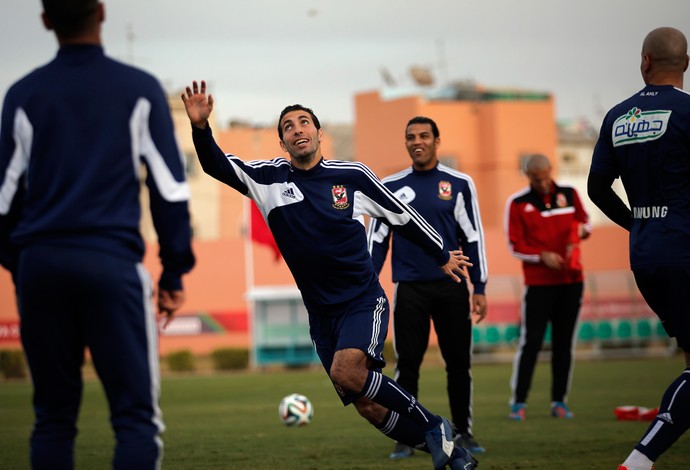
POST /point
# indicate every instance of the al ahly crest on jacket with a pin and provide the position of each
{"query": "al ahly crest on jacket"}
(339, 193)
(445, 190)
(561, 200)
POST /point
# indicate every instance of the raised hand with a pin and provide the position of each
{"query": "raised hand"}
(197, 104)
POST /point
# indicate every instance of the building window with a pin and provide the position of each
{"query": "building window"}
(568, 158)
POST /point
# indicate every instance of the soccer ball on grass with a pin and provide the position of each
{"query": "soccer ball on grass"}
(295, 410)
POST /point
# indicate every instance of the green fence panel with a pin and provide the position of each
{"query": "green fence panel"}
(624, 329)
(586, 332)
(604, 330)
(511, 333)
(660, 331)
(643, 328)
(476, 335)
(493, 335)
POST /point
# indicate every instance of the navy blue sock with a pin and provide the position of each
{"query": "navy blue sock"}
(387, 393)
(671, 422)
(404, 430)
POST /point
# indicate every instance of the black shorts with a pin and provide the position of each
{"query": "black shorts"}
(362, 325)
(667, 291)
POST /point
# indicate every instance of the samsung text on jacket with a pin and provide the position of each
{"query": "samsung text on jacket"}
(650, 212)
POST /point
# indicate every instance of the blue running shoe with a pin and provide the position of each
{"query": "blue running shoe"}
(401, 451)
(517, 412)
(462, 459)
(561, 410)
(439, 440)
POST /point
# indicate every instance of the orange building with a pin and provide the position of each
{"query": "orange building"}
(483, 133)
(486, 134)
(486, 137)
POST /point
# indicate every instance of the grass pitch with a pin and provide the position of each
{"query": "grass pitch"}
(230, 421)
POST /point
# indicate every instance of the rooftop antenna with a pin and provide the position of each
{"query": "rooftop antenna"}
(387, 77)
(441, 58)
(130, 43)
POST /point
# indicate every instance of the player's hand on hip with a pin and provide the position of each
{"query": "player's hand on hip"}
(168, 302)
(456, 266)
(198, 104)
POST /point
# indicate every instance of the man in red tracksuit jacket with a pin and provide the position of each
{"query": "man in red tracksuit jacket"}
(545, 223)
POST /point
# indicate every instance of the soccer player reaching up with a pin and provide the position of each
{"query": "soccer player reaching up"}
(75, 133)
(645, 141)
(315, 209)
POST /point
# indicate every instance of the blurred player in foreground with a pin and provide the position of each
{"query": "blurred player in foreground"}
(645, 141)
(74, 135)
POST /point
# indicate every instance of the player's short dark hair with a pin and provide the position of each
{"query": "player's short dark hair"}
(296, 107)
(69, 17)
(424, 120)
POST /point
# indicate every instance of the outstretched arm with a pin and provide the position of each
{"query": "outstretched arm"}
(198, 104)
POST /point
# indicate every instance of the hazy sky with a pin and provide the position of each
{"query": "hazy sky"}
(260, 55)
